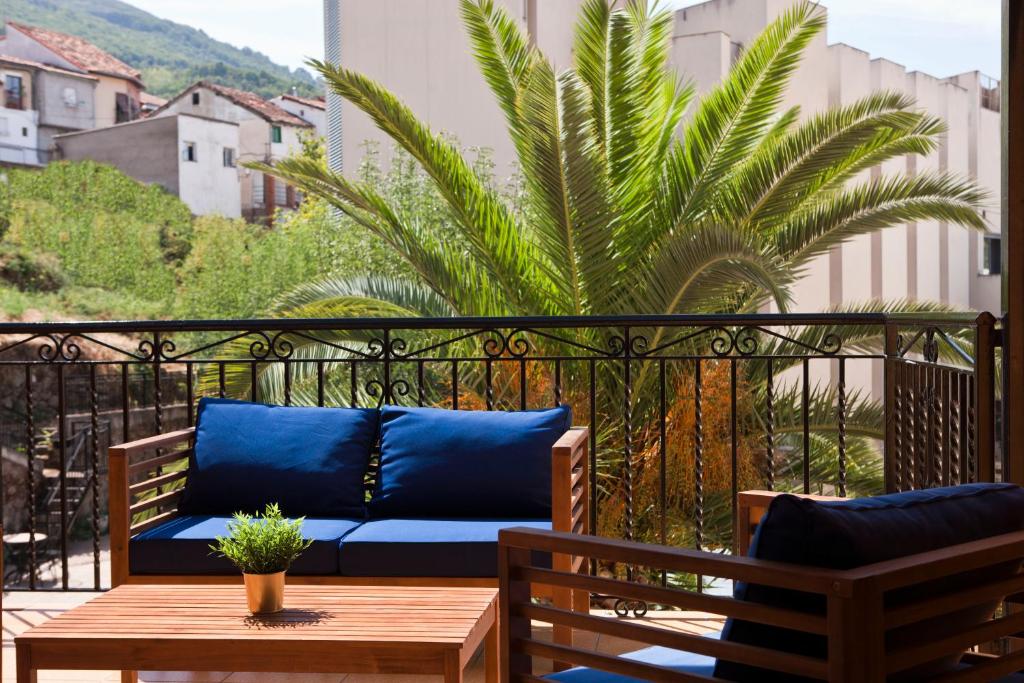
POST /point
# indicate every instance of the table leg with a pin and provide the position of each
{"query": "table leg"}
(452, 667)
(129, 677)
(23, 661)
(491, 654)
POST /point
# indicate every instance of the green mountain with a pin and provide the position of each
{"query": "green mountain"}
(169, 55)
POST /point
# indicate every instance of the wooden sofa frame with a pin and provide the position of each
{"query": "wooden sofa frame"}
(855, 625)
(147, 478)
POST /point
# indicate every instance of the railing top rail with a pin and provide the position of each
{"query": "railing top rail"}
(411, 323)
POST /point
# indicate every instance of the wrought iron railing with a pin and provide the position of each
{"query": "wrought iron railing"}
(684, 411)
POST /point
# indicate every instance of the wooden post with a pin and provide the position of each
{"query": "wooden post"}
(1012, 114)
(119, 515)
(985, 397)
(512, 665)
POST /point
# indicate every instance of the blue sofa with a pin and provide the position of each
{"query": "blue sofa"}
(403, 495)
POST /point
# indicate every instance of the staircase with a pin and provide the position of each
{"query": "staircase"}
(78, 482)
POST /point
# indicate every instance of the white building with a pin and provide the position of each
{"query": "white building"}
(419, 50)
(190, 156)
(266, 133)
(19, 119)
(309, 109)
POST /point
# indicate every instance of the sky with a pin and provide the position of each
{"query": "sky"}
(940, 37)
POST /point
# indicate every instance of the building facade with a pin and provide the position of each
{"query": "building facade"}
(311, 110)
(118, 89)
(190, 156)
(266, 133)
(19, 119)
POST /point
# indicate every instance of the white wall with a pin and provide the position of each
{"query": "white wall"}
(314, 115)
(207, 185)
(19, 137)
(419, 50)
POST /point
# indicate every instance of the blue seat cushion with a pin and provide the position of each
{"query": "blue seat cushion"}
(437, 463)
(678, 660)
(311, 461)
(857, 532)
(182, 546)
(428, 547)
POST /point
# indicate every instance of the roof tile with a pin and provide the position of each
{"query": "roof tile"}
(79, 52)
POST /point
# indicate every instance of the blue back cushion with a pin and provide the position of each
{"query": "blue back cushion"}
(466, 464)
(857, 532)
(311, 461)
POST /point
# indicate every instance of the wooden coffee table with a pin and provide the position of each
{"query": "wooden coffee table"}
(323, 629)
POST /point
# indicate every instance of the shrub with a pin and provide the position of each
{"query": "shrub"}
(31, 272)
(262, 545)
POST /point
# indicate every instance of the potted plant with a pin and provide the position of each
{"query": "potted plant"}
(263, 548)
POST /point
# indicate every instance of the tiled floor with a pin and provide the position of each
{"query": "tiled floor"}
(23, 610)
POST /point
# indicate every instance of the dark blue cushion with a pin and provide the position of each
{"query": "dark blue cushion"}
(678, 660)
(311, 461)
(462, 463)
(427, 547)
(857, 532)
(182, 546)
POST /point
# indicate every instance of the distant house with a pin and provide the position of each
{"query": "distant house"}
(190, 156)
(266, 133)
(119, 86)
(19, 120)
(309, 109)
(52, 99)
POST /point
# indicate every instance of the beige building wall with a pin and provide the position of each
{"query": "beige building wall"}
(419, 50)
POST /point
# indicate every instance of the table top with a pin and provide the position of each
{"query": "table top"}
(390, 615)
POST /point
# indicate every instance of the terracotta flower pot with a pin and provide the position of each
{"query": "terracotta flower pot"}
(264, 592)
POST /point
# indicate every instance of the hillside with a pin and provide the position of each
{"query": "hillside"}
(170, 55)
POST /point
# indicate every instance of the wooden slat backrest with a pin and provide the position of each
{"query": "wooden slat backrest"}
(855, 625)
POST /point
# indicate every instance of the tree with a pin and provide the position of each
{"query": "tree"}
(638, 197)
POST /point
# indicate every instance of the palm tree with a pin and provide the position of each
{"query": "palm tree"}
(639, 198)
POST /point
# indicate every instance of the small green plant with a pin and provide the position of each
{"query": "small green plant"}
(262, 545)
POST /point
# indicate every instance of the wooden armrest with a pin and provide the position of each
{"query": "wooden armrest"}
(152, 442)
(570, 481)
(155, 487)
(751, 507)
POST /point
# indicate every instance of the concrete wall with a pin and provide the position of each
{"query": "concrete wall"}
(147, 150)
(419, 50)
(207, 185)
(55, 109)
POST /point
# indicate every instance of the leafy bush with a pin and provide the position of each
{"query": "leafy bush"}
(31, 271)
(262, 545)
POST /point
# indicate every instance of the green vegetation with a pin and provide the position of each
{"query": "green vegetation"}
(621, 214)
(262, 545)
(169, 55)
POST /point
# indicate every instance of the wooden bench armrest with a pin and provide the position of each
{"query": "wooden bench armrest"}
(570, 499)
(751, 507)
(155, 484)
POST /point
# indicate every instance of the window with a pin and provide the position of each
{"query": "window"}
(70, 97)
(188, 152)
(195, 99)
(275, 133)
(13, 92)
(229, 157)
(257, 189)
(24, 132)
(122, 108)
(992, 255)
(280, 194)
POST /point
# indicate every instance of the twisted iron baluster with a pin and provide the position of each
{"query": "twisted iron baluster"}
(30, 437)
(489, 384)
(972, 436)
(954, 436)
(842, 427)
(770, 427)
(94, 424)
(923, 402)
(698, 452)
(937, 429)
(897, 438)
(627, 426)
